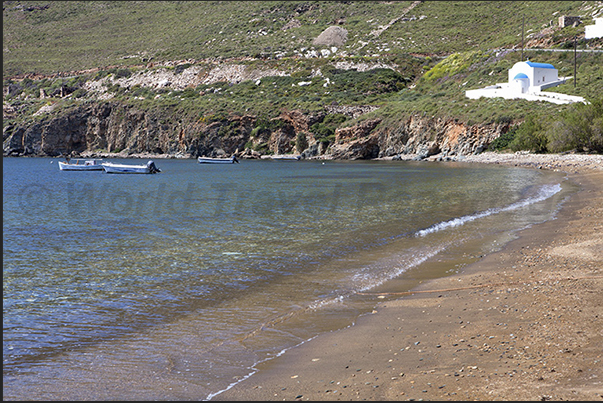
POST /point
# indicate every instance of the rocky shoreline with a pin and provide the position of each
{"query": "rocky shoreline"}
(561, 162)
(523, 323)
(571, 163)
(567, 162)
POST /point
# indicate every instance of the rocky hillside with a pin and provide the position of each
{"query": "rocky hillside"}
(325, 97)
(109, 127)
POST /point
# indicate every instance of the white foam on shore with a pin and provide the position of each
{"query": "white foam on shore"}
(254, 370)
(544, 193)
(372, 278)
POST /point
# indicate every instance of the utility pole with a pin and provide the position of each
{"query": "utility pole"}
(523, 18)
(575, 76)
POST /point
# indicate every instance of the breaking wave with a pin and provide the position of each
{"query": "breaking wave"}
(544, 193)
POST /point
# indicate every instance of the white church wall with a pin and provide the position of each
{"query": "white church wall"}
(538, 74)
(542, 76)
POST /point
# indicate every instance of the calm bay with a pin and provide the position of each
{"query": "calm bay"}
(172, 286)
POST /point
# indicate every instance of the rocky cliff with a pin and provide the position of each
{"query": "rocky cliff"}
(113, 129)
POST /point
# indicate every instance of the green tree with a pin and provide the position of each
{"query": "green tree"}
(301, 142)
(530, 136)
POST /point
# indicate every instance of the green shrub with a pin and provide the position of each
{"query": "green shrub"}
(122, 73)
(180, 68)
(530, 136)
(301, 74)
(79, 93)
(503, 120)
(322, 130)
(140, 91)
(100, 75)
(116, 89)
(264, 122)
(301, 142)
(453, 64)
(327, 127)
(328, 140)
(262, 148)
(579, 128)
(503, 141)
(335, 119)
(188, 93)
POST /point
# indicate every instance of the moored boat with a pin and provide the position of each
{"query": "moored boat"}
(217, 160)
(113, 168)
(81, 165)
(286, 157)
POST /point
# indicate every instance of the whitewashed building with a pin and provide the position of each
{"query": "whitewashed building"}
(531, 77)
(594, 31)
(527, 80)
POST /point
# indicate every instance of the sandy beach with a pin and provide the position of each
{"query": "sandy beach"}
(524, 323)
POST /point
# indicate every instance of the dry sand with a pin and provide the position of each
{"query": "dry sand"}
(524, 323)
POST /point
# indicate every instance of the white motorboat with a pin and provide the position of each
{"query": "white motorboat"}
(286, 157)
(81, 165)
(217, 160)
(112, 168)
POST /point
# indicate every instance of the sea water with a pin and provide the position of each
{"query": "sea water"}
(173, 286)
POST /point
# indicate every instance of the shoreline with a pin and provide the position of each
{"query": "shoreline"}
(522, 323)
(568, 162)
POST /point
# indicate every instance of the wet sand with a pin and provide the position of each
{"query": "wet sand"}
(524, 323)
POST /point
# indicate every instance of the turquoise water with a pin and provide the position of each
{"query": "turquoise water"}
(172, 286)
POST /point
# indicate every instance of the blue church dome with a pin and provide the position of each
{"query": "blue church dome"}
(520, 75)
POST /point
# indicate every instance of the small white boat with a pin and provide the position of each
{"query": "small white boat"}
(212, 160)
(81, 165)
(112, 168)
(286, 157)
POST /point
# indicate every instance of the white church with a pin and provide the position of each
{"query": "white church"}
(527, 80)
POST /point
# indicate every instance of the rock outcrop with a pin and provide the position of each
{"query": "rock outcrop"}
(111, 128)
(425, 137)
(420, 137)
(332, 36)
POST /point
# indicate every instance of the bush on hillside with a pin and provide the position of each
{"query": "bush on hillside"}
(504, 141)
(530, 136)
(327, 127)
(301, 142)
(579, 128)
